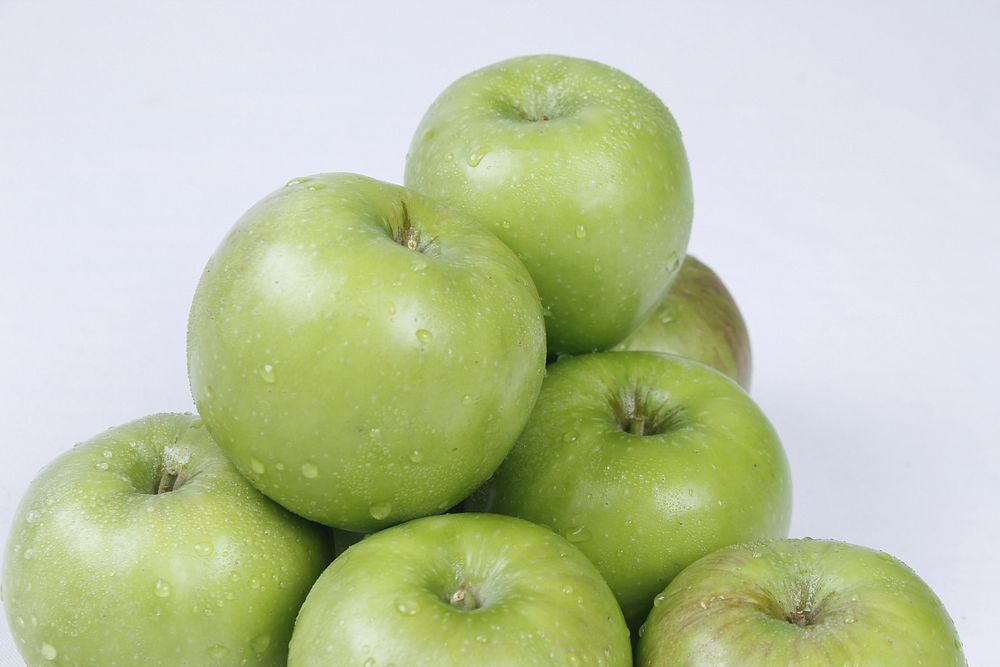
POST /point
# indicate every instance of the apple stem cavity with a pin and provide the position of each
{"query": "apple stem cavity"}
(799, 617)
(638, 413)
(464, 598)
(408, 236)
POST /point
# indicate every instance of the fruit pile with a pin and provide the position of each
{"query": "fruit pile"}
(501, 400)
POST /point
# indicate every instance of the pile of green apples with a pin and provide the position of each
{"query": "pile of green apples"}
(494, 417)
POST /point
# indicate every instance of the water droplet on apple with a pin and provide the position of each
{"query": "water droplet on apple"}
(380, 511)
(577, 534)
(197, 423)
(296, 181)
(477, 156)
(254, 583)
(107, 453)
(658, 600)
(567, 589)
(257, 466)
(162, 589)
(642, 629)
(49, 651)
(581, 231)
(424, 336)
(597, 266)
(101, 465)
(32, 517)
(467, 399)
(317, 186)
(266, 373)
(408, 607)
(505, 224)
(482, 639)
(570, 437)
(416, 456)
(310, 470)
(673, 262)
(217, 652)
(203, 549)
(260, 643)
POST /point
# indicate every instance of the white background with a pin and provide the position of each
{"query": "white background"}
(845, 159)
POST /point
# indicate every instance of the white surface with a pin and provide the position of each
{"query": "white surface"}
(845, 165)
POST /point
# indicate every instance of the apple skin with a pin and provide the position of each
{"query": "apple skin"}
(388, 600)
(697, 318)
(643, 507)
(355, 380)
(798, 602)
(577, 167)
(100, 570)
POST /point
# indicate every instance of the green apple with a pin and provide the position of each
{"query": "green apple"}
(647, 462)
(799, 602)
(577, 167)
(697, 318)
(144, 547)
(461, 589)
(362, 354)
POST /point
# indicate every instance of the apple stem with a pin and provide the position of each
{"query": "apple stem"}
(167, 480)
(464, 598)
(637, 425)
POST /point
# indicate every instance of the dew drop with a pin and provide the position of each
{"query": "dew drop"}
(505, 224)
(597, 266)
(197, 423)
(101, 465)
(416, 456)
(581, 231)
(162, 589)
(49, 651)
(32, 517)
(257, 466)
(482, 639)
(108, 453)
(658, 600)
(217, 652)
(266, 373)
(577, 534)
(295, 181)
(567, 589)
(203, 549)
(467, 399)
(310, 470)
(424, 336)
(260, 643)
(317, 186)
(380, 511)
(407, 607)
(476, 156)
(673, 262)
